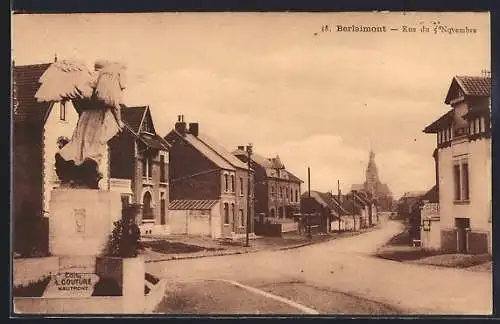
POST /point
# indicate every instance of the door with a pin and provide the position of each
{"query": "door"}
(462, 225)
(163, 210)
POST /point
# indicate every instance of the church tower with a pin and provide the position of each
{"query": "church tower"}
(372, 180)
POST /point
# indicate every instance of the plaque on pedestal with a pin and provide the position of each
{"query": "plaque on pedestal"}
(81, 220)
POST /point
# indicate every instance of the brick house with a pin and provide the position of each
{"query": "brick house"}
(277, 190)
(139, 160)
(201, 170)
(37, 127)
(463, 167)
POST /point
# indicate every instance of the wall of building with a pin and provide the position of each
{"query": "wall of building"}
(478, 209)
(196, 222)
(192, 175)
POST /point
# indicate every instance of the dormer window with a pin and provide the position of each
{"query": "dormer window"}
(62, 110)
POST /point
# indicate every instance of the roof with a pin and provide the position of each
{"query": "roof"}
(217, 148)
(325, 200)
(413, 194)
(471, 86)
(269, 166)
(185, 204)
(155, 141)
(443, 122)
(133, 116)
(432, 195)
(25, 80)
(204, 149)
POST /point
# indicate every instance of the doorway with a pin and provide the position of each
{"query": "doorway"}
(462, 225)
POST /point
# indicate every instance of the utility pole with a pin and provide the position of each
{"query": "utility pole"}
(338, 188)
(249, 157)
(309, 235)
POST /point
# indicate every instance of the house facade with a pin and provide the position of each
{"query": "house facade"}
(202, 170)
(463, 166)
(277, 190)
(139, 164)
(37, 129)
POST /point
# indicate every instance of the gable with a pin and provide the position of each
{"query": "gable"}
(455, 92)
(147, 125)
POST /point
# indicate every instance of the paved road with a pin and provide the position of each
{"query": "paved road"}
(341, 274)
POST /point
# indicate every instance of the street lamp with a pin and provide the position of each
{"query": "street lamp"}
(249, 159)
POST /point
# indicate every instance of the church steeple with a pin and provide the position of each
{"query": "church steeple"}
(372, 179)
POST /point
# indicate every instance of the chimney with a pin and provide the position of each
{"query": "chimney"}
(241, 148)
(180, 126)
(193, 129)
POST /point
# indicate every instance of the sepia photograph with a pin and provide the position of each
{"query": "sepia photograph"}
(257, 164)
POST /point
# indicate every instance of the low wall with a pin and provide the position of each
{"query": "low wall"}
(32, 269)
(289, 227)
(93, 305)
(273, 230)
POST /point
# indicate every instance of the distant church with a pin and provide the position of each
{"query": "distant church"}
(372, 185)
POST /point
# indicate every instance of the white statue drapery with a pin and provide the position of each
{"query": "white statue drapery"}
(96, 95)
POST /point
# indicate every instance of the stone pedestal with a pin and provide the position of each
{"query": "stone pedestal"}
(81, 220)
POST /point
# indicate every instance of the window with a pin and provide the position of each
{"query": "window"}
(232, 183)
(226, 213)
(287, 193)
(456, 178)
(461, 181)
(242, 218)
(163, 208)
(272, 191)
(162, 168)
(465, 181)
(296, 195)
(281, 192)
(147, 206)
(233, 213)
(62, 110)
(241, 186)
(226, 182)
(291, 194)
(147, 163)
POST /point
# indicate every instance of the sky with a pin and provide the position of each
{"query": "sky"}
(317, 99)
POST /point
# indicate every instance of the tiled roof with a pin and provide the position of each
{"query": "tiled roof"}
(206, 151)
(432, 195)
(154, 141)
(443, 122)
(25, 84)
(293, 177)
(132, 116)
(470, 85)
(185, 204)
(325, 200)
(268, 165)
(475, 86)
(226, 155)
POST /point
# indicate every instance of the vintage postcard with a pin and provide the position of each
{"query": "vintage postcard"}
(252, 164)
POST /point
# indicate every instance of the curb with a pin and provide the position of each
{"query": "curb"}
(330, 238)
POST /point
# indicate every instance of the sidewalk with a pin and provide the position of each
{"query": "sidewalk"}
(199, 247)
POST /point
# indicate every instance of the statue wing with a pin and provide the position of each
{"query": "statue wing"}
(110, 82)
(66, 80)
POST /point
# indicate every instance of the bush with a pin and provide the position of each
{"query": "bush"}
(124, 240)
(33, 289)
(107, 287)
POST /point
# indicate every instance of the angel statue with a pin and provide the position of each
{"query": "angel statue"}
(96, 96)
